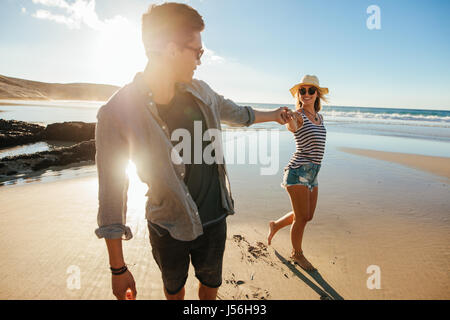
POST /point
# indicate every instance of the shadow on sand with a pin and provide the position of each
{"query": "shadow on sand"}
(325, 293)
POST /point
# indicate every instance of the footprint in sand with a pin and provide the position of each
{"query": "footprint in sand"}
(252, 252)
(240, 290)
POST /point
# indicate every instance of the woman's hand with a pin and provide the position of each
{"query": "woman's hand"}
(281, 115)
(123, 286)
(295, 121)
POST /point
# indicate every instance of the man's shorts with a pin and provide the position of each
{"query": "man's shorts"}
(305, 175)
(173, 256)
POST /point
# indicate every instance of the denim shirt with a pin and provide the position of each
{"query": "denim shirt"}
(129, 127)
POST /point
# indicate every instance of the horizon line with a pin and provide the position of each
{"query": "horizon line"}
(270, 103)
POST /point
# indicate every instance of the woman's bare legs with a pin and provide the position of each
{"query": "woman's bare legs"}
(304, 204)
(274, 226)
(313, 201)
(299, 196)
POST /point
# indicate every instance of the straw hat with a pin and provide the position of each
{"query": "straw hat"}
(308, 80)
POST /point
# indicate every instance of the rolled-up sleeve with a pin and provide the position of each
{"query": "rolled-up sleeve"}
(112, 155)
(235, 115)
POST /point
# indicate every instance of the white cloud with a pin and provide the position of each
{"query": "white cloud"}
(210, 57)
(52, 3)
(46, 15)
(78, 13)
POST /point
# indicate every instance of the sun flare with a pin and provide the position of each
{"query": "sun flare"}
(119, 52)
(136, 191)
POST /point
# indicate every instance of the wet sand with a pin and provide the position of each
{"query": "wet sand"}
(47, 236)
(376, 211)
(436, 165)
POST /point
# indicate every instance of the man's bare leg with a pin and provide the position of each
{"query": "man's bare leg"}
(207, 293)
(177, 296)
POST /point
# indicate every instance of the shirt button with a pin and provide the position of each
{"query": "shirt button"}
(151, 104)
(182, 174)
(150, 94)
(164, 127)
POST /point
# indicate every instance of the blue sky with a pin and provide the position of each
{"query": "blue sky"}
(256, 50)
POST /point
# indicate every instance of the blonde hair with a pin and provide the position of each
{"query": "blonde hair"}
(317, 103)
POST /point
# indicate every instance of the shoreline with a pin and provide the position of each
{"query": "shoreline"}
(432, 164)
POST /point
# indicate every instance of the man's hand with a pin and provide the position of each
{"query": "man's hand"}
(282, 115)
(122, 283)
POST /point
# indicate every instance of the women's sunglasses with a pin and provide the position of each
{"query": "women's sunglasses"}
(311, 91)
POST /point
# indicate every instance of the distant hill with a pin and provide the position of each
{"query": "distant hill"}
(13, 88)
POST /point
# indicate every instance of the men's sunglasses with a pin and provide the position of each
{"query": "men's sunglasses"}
(198, 51)
(311, 91)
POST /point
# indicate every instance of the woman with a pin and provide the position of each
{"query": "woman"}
(300, 175)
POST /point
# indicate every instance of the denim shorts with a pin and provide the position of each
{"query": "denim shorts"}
(305, 175)
(173, 256)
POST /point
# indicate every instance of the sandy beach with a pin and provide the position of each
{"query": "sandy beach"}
(86, 81)
(47, 236)
(436, 165)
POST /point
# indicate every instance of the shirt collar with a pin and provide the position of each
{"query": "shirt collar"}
(144, 89)
(188, 87)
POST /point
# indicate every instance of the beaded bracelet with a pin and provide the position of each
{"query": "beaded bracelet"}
(119, 271)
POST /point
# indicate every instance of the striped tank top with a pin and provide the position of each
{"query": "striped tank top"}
(310, 143)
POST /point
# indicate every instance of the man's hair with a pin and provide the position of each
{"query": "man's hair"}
(169, 22)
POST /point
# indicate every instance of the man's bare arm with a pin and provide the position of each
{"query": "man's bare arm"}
(279, 115)
(115, 252)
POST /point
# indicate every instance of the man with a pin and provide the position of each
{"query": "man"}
(188, 201)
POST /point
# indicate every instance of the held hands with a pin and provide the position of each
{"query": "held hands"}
(286, 116)
(295, 121)
(282, 115)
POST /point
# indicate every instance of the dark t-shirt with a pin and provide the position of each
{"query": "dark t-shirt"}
(202, 179)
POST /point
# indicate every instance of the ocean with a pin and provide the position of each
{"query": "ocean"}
(414, 131)
(46, 112)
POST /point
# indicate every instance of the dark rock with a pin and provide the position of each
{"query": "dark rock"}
(13, 133)
(70, 131)
(84, 151)
(44, 164)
